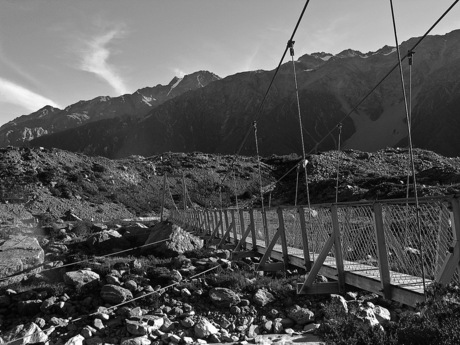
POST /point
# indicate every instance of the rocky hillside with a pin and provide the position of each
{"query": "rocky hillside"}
(56, 182)
(50, 120)
(70, 280)
(215, 118)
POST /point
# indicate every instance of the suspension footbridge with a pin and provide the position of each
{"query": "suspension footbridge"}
(372, 246)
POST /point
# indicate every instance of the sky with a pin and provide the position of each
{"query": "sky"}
(57, 52)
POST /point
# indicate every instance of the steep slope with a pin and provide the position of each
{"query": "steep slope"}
(216, 118)
(34, 180)
(50, 120)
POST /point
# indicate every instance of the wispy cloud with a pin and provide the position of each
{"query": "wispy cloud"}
(20, 70)
(179, 73)
(16, 94)
(95, 57)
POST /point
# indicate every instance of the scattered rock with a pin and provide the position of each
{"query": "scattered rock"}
(223, 297)
(178, 241)
(262, 297)
(301, 316)
(82, 278)
(114, 294)
(203, 328)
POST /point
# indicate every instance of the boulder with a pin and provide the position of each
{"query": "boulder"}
(262, 297)
(223, 297)
(136, 341)
(19, 254)
(178, 241)
(82, 278)
(26, 334)
(76, 340)
(382, 314)
(301, 316)
(203, 328)
(114, 294)
(107, 241)
(137, 234)
(137, 327)
(339, 302)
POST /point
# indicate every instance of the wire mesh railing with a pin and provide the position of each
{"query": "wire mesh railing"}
(418, 243)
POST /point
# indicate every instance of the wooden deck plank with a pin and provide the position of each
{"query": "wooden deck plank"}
(405, 288)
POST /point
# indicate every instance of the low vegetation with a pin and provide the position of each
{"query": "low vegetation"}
(436, 322)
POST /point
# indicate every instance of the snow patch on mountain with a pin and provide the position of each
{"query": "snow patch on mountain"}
(390, 52)
(77, 117)
(174, 85)
(199, 81)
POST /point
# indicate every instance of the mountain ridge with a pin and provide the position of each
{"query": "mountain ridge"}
(216, 117)
(48, 120)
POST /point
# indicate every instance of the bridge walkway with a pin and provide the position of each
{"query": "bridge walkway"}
(386, 247)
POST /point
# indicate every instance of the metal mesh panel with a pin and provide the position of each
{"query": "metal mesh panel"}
(272, 224)
(238, 229)
(259, 227)
(403, 235)
(357, 236)
(319, 227)
(247, 223)
(292, 227)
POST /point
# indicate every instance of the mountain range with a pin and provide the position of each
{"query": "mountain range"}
(202, 112)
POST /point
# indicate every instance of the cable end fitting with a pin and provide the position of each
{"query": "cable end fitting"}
(410, 54)
(290, 45)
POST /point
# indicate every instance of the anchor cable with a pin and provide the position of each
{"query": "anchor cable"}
(411, 150)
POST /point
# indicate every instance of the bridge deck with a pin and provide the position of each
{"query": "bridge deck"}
(405, 288)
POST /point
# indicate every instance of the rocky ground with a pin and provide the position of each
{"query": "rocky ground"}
(61, 212)
(34, 181)
(173, 292)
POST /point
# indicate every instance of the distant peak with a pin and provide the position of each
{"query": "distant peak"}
(322, 55)
(349, 53)
(174, 80)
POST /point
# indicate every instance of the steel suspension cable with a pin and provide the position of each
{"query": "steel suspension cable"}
(297, 185)
(389, 72)
(376, 86)
(260, 183)
(260, 108)
(338, 166)
(80, 261)
(411, 153)
(51, 329)
(410, 58)
(304, 158)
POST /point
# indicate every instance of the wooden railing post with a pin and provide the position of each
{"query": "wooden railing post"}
(226, 220)
(384, 267)
(253, 229)
(282, 231)
(338, 247)
(303, 229)
(242, 226)
(235, 240)
(265, 225)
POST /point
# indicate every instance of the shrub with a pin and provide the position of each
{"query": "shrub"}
(437, 323)
(341, 328)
